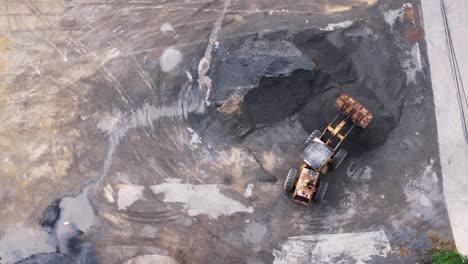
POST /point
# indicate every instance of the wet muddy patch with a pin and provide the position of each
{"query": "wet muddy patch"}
(60, 237)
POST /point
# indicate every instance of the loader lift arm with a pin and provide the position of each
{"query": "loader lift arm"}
(340, 127)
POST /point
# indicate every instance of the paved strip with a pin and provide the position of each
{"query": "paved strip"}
(452, 146)
(360, 247)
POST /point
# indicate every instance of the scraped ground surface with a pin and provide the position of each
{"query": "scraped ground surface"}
(161, 132)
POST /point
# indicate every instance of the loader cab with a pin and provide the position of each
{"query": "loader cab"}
(317, 154)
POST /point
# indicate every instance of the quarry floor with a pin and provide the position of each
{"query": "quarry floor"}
(162, 132)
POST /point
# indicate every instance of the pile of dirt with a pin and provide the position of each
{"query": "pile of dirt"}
(349, 60)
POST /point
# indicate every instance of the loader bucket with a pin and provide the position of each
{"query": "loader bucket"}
(356, 111)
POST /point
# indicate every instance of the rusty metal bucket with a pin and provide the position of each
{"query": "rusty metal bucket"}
(356, 111)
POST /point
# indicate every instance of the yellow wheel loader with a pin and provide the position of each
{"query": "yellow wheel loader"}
(322, 151)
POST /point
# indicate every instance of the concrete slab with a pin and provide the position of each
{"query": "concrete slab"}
(452, 146)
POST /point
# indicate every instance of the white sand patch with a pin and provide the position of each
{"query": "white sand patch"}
(345, 5)
(110, 54)
(413, 64)
(368, 2)
(41, 171)
(351, 201)
(249, 190)
(363, 176)
(348, 201)
(334, 26)
(22, 243)
(150, 231)
(392, 15)
(204, 199)
(109, 121)
(170, 59)
(189, 76)
(421, 191)
(367, 174)
(109, 193)
(174, 180)
(359, 174)
(151, 259)
(360, 247)
(128, 194)
(195, 139)
(166, 28)
(270, 161)
(424, 201)
(35, 152)
(236, 159)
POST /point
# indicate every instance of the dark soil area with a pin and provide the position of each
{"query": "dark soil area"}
(337, 67)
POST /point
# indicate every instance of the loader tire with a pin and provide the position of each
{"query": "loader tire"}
(312, 136)
(321, 190)
(290, 180)
(338, 159)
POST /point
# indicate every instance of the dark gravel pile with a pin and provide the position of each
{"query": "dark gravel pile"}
(333, 62)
